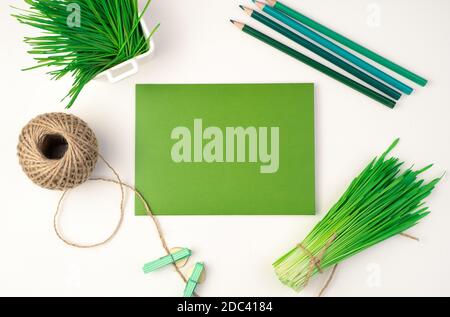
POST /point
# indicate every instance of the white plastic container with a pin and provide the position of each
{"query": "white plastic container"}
(131, 66)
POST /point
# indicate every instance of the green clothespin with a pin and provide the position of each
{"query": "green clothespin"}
(194, 279)
(178, 256)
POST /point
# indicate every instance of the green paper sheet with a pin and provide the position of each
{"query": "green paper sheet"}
(225, 149)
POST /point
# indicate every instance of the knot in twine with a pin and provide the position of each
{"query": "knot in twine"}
(315, 261)
(59, 151)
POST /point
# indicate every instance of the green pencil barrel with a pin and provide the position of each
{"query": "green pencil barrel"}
(318, 66)
(326, 55)
(351, 44)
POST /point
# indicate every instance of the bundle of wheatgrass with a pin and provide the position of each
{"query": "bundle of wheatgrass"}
(380, 203)
(84, 37)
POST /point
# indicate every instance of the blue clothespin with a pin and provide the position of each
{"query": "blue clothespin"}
(174, 257)
(194, 280)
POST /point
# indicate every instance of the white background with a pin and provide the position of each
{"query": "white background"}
(197, 44)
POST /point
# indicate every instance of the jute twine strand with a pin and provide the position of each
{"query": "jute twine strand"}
(329, 279)
(116, 229)
(71, 167)
(122, 213)
(410, 236)
(315, 261)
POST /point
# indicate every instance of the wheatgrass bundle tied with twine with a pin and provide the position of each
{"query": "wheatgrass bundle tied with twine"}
(105, 34)
(59, 151)
(380, 203)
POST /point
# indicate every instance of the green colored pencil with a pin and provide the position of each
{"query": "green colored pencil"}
(347, 42)
(323, 53)
(316, 65)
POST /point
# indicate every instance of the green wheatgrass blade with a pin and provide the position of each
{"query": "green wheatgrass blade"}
(379, 203)
(109, 35)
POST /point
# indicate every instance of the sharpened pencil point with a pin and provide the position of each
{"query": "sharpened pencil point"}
(260, 4)
(239, 25)
(247, 10)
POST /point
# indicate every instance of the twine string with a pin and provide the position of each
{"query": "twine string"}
(59, 151)
(75, 166)
(119, 182)
(406, 235)
(117, 227)
(327, 283)
(316, 260)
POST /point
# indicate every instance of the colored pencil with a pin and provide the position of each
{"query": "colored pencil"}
(278, 15)
(323, 53)
(314, 64)
(347, 42)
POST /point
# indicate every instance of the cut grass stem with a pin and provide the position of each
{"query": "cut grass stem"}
(379, 203)
(109, 35)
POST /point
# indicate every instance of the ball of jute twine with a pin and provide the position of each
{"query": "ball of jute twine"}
(59, 151)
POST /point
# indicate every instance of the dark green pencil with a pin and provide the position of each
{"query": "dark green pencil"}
(346, 41)
(323, 53)
(316, 65)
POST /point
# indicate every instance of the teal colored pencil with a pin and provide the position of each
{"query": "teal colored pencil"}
(347, 42)
(316, 65)
(323, 53)
(316, 37)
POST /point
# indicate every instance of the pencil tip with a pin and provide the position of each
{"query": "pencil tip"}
(260, 4)
(246, 10)
(239, 25)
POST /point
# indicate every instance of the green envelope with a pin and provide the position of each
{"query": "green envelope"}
(225, 149)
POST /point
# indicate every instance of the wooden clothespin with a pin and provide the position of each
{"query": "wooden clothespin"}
(195, 278)
(179, 256)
